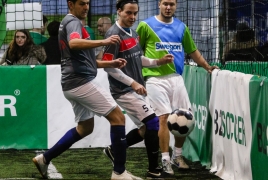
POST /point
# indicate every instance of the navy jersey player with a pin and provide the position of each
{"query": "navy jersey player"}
(79, 69)
(127, 84)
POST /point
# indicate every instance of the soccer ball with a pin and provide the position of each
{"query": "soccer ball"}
(181, 122)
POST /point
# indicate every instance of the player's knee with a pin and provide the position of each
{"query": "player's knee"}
(120, 119)
(85, 128)
(88, 130)
(151, 122)
(142, 131)
(163, 120)
(116, 117)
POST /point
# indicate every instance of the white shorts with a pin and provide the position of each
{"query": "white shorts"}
(90, 99)
(167, 93)
(136, 107)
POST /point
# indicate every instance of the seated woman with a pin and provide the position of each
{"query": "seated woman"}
(23, 51)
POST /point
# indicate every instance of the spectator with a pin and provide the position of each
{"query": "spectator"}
(243, 41)
(103, 24)
(37, 34)
(52, 45)
(23, 51)
(89, 30)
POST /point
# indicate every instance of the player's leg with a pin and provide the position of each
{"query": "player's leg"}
(177, 158)
(141, 113)
(159, 92)
(164, 138)
(103, 104)
(85, 126)
(83, 129)
(118, 140)
(147, 122)
(180, 100)
(133, 137)
(134, 105)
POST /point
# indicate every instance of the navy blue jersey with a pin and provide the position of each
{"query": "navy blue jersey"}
(130, 50)
(77, 66)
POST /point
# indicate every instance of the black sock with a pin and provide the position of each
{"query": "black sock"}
(133, 137)
(62, 145)
(151, 141)
(118, 139)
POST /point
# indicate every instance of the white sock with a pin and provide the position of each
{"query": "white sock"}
(166, 156)
(177, 152)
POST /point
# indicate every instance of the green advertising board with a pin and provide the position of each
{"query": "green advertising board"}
(23, 107)
(197, 146)
(258, 93)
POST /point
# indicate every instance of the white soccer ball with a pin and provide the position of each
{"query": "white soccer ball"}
(181, 122)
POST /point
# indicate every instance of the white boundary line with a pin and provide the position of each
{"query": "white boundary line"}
(52, 172)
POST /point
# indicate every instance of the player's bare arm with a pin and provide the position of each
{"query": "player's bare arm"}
(117, 63)
(147, 62)
(168, 58)
(85, 44)
(199, 59)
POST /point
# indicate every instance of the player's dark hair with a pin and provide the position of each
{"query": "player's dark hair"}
(121, 3)
(175, 1)
(72, 1)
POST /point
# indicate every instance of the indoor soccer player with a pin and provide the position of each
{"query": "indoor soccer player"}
(79, 69)
(159, 35)
(127, 86)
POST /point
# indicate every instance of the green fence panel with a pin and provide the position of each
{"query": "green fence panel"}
(197, 146)
(23, 107)
(259, 118)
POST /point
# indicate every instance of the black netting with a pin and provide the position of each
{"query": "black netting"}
(230, 33)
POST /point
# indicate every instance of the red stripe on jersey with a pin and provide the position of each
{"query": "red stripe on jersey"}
(75, 35)
(127, 44)
(62, 45)
(108, 57)
(85, 34)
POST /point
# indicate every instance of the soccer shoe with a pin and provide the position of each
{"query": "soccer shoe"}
(167, 167)
(109, 153)
(179, 162)
(124, 176)
(41, 166)
(158, 174)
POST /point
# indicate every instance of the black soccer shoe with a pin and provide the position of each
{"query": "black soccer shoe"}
(159, 174)
(109, 153)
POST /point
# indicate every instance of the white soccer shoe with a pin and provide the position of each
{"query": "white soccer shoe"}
(167, 167)
(179, 162)
(41, 166)
(124, 176)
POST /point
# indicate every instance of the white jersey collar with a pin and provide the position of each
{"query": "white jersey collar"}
(130, 34)
(164, 22)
